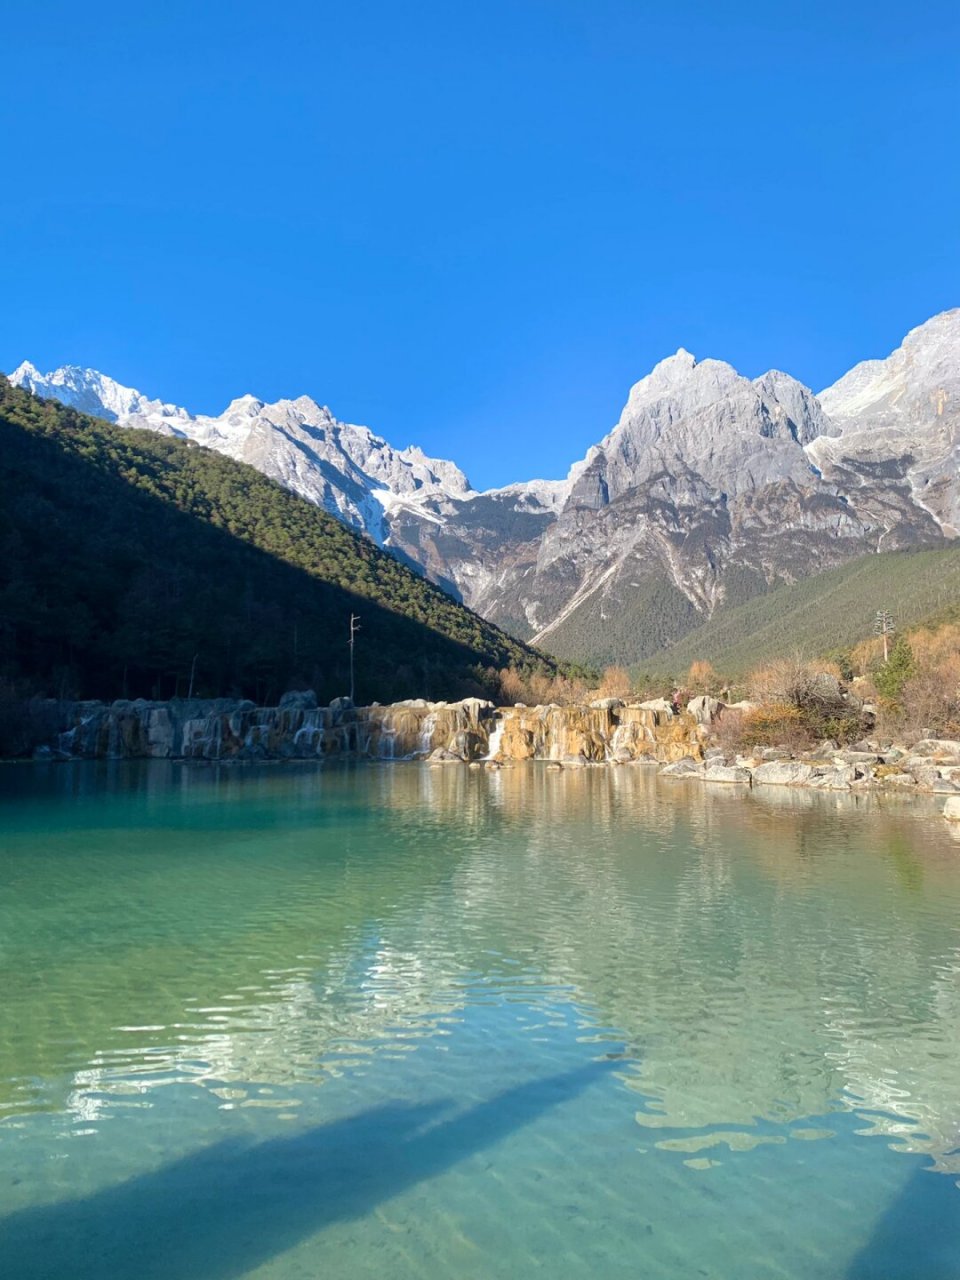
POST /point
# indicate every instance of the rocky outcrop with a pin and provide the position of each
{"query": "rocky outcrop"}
(470, 730)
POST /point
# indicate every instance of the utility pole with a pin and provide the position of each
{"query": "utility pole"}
(884, 626)
(354, 628)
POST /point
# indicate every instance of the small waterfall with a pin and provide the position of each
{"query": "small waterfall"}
(427, 730)
(495, 739)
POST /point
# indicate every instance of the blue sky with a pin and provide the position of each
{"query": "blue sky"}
(473, 226)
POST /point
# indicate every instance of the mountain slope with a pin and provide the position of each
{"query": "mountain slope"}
(830, 611)
(124, 555)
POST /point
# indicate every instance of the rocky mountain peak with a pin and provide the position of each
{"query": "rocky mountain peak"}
(702, 419)
(682, 377)
(243, 407)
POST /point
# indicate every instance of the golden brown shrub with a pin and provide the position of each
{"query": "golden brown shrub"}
(701, 677)
(615, 683)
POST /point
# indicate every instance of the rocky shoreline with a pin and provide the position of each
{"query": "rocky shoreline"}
(606, 731)
(931, 766)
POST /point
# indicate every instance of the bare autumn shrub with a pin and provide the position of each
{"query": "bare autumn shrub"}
(774, 682)
(615, 683)
(567, 692)
(866, 656)
(701, 677)
(814, 691)
(512, 686)
(538, 689)
(727, 732)
(930, 699)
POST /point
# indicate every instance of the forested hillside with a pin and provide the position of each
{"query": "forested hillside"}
(822, 614)
(131, 564)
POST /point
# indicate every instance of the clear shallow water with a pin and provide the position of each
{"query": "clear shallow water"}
(417, 1022)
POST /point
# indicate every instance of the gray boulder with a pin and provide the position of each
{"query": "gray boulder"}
(937, 747)
(684, 768)
(899, 780)
(726, 773)
(783, 773)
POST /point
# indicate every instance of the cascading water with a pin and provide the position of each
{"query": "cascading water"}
(495, 739)
(426, 734)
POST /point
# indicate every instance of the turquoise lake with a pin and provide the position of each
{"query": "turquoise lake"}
(410, 1022)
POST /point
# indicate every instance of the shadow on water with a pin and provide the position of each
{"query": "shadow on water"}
(224, 1210)
(917, 1237)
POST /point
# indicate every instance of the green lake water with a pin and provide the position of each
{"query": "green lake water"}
(413, 1022)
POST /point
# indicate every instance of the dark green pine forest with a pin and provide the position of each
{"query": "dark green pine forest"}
(131, 563)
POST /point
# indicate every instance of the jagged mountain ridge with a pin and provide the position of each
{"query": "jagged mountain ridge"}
(347, 469)
(711, 488)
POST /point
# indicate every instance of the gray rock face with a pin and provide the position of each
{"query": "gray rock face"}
(903, 412)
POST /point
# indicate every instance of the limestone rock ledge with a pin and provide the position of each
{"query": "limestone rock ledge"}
(608, 731)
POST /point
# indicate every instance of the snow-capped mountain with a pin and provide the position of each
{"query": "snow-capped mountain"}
(355, 474)
(710, 488)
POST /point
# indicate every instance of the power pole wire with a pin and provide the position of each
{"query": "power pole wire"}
(354, 628)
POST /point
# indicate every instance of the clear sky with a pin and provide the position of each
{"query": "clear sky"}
(473, 226)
